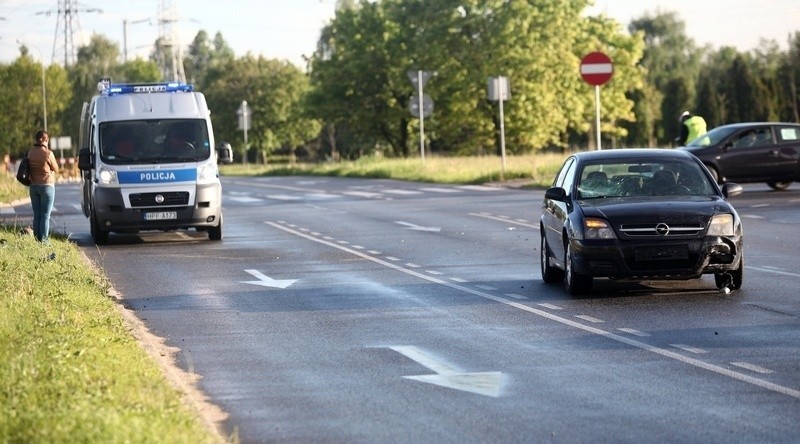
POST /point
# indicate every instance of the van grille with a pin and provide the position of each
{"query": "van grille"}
(169, 199)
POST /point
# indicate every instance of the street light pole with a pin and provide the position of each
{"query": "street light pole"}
(44, 87)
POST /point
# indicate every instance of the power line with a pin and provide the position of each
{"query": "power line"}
(67, 22)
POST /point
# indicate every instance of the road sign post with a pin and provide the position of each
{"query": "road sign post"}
(423, 105)
(245, 117)
(500, 90)
(597, 69)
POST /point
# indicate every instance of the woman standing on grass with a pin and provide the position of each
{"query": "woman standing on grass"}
(43, 171)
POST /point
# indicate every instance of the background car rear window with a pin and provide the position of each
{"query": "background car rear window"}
(789, 134)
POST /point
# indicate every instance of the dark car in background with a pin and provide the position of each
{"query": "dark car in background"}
(639, 214)
(751, 152)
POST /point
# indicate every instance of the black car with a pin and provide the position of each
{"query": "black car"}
(639, 214)
(751, 152)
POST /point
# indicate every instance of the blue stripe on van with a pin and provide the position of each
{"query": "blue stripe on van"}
(157, 176)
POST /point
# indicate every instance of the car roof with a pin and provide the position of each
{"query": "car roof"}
(749, 124)
(628, 153)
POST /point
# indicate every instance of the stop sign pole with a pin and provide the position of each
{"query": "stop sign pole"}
(596, 69)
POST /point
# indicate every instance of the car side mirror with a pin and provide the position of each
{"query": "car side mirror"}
(731, 189)
(556, 193)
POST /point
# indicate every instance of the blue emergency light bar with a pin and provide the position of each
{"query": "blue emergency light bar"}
(109, 89)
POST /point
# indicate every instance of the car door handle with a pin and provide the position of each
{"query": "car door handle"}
(773, 153)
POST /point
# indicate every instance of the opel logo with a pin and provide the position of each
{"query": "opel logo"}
(160, 199)
(662, 229)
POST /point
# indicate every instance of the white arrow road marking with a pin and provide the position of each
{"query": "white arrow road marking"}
(481, 383)
(266, 281)
(418, 227)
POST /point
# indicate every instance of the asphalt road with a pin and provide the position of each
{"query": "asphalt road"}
(349, 310)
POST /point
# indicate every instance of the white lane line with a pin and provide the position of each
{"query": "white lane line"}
(550, 306)
(463, 281)
(768, 270)
(442, 190)
(478, 188)
(323, 196)
(753, 216)
(358, 247)
(508, 221)
(689, 348)
(393, 259)
(486, 287)
(516, 296)
(244, 199)
(366, 194)
(283, 197)
(411, 265)
(434, 272)
(401, 192)
(589, 319)
(753, 368)
(634, 332)
(373, 252)
(343, 242)
(760, 205)
(794, 393)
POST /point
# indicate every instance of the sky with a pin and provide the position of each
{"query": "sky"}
(289, 29)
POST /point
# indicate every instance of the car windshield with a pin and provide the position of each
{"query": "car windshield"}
(648, 178)
(154, 141)
(712, 137)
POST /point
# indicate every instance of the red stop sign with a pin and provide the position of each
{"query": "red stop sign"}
(596, 68)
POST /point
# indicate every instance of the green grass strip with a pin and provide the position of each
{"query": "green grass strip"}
(70, 368)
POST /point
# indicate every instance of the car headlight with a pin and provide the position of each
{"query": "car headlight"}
(597, 229)
(106, 176)
(721, 225)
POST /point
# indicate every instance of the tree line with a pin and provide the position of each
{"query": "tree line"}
(352, 97)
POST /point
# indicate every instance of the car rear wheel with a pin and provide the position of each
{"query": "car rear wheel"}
(550, 274)
(779, 186)
(575, 283)
(714, 173)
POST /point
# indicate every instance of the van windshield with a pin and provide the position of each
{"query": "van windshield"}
(154, 141)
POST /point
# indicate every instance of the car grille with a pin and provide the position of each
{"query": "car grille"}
(169, 199)
(662, 229)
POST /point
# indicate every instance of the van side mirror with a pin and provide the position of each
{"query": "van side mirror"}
(85, 160)
(224, 153)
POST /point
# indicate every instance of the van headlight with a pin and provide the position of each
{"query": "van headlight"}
(106, 176)
(721, 225)
(207, 172)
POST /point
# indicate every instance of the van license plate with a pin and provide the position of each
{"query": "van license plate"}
(161, 215)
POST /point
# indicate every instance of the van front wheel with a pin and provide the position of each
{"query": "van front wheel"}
(99, 236)
(215, 233)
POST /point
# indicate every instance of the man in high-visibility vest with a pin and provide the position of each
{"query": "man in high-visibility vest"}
(692, 127)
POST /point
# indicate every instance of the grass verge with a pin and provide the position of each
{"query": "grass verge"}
(71, 369)
(533, 170)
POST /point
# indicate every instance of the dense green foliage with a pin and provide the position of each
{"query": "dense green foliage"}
(352, 99)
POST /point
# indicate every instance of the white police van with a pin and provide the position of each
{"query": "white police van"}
(147, 161)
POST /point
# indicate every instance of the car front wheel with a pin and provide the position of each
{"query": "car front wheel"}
(732, 279)
(575, 283)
